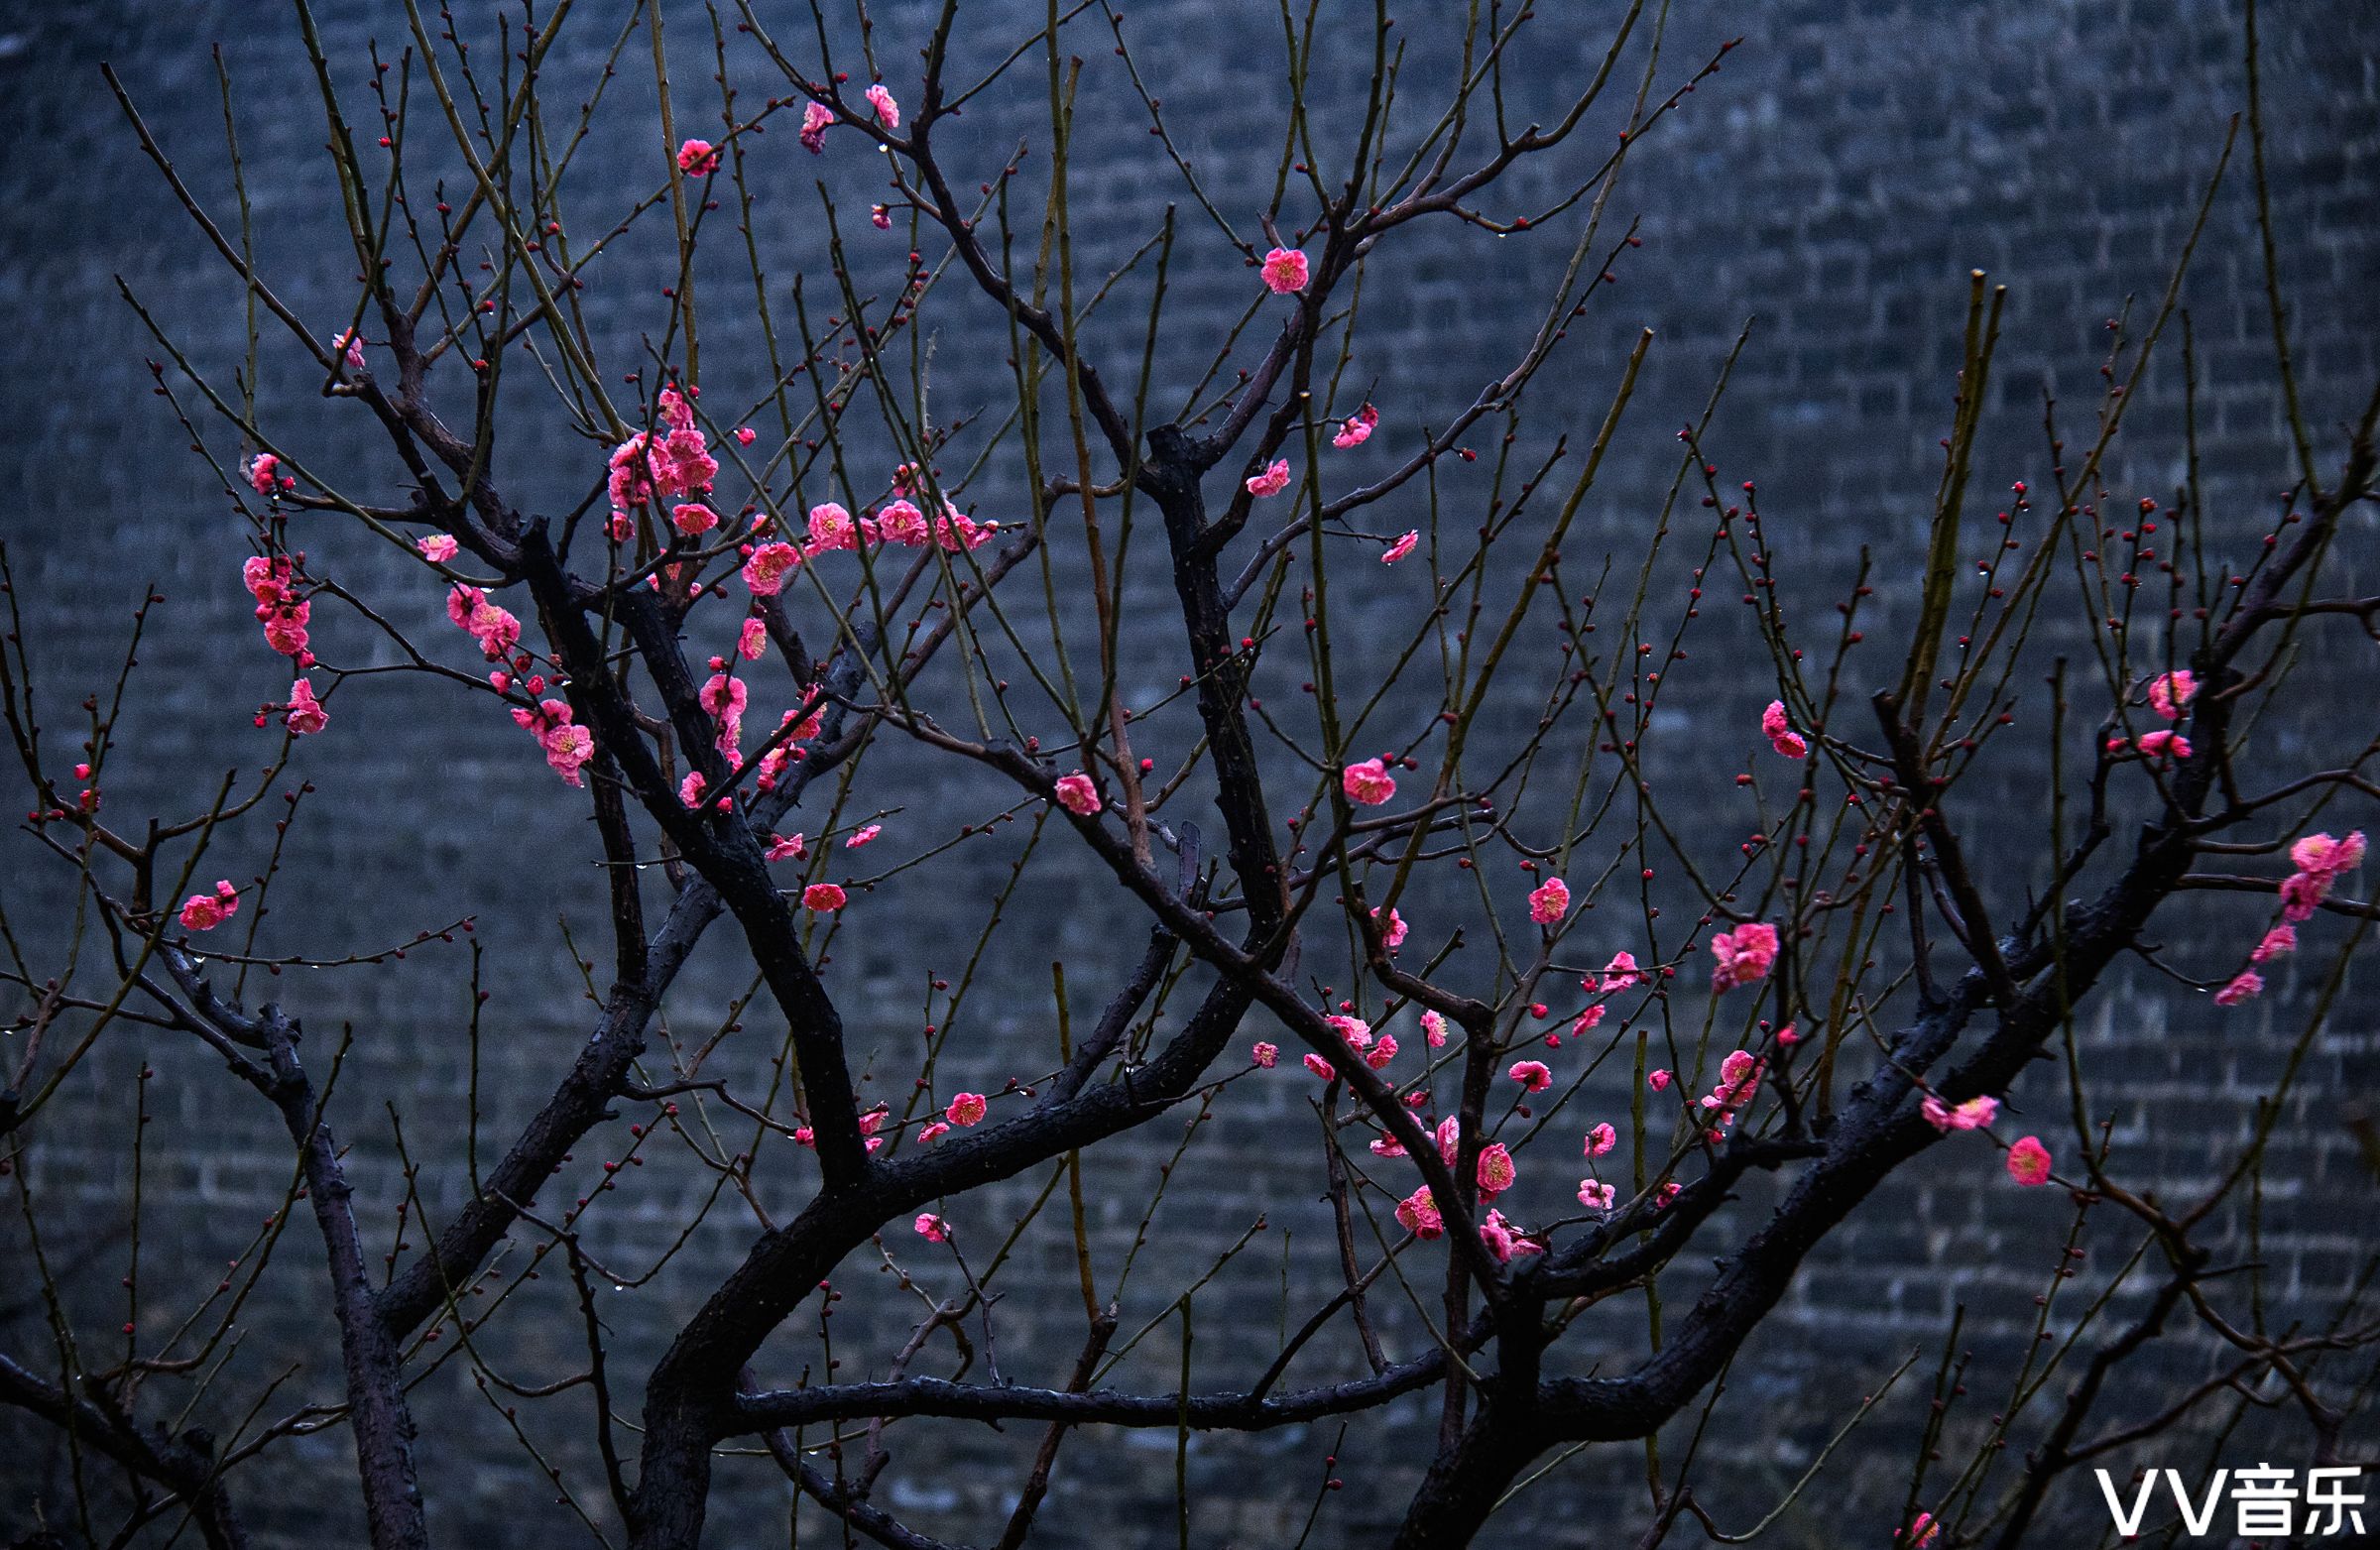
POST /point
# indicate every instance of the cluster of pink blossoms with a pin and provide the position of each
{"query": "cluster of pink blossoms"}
(833, 528)
(273, 581)
(494, 629)
(787, 751)
(1738, 1084)
(900, 522)
(568, 747)
(869, 1122)
(1780, 733)
(1742, 955)
(1376, 1051)
(966, 1109)
(2028, 1160)
(668, 465)
(2169, 694)
(265, 476)
(1418, 1211)
(1419, 1215)
(1595, 1194)
(205, 912)
(723, 696)
(2320, 860)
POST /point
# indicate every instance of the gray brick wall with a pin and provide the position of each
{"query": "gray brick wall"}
(1833, 183)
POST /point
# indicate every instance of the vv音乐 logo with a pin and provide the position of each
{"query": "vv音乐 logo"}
(2268, 1502)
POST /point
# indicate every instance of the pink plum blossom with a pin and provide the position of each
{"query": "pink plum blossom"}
(1781, 735)
(832, 527)
(205, 912)
(1532, 1075)
(887, 111)
(1284, 271)
(305, 715)
(1971, 1115)
(824, 897)
(438, 547)
(568, 748)
(1742, 955)
(1400, 548)
(766, 571)
(2029, 1161)
(1077, 794)
(931, 1228)
(1369, 783)
(2244, 986)
(1354, 1030)
(965, 1109)
(1272, 481)
(2320, 852)
(697, 159)
(902, 523)
(1496, 1174)
(1505, 1241)
(1359, 427)
(1419, 1214)
(2169, 692)
(1549, 901)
